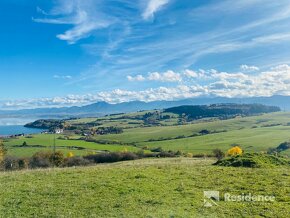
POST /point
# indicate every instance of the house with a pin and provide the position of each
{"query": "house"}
(58, 131)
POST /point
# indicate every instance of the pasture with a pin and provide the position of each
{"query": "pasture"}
(143, 188)
(253, 134)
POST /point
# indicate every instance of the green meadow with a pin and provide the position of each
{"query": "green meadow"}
(143, 188)
(47, 140)
(152, 187)
(253, 134)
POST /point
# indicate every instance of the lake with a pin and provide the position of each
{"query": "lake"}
(17, 129)
(14, 126)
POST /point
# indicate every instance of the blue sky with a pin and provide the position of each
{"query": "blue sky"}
(74, 52)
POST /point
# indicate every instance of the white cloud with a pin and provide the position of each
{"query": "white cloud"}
(275, 81)
(136, 78)
(83, 15)
(273, 38)
(168, 76)
(152, 7)
(62, 77)
(282, 67)
(249, 68)
(115, 96)
(190, 73)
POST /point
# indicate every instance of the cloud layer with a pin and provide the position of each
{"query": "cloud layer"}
(143, 36)
(87, 16)
(168, 76)
(272, 81)
(80, 14)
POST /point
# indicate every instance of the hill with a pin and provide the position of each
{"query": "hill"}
(221, 110)
(151, 130)
(103, 108)
(253, 160)
(143, 188)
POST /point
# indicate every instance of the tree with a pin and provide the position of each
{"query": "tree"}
(235, 151)
(3, 151)
(218, 153)
(56, 158)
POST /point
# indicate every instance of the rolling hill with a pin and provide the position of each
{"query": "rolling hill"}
(103, 108)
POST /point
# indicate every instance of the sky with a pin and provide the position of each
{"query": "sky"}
(76, 52)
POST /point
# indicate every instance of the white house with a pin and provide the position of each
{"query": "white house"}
(58, 131)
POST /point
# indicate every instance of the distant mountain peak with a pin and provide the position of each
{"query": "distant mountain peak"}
(103, 108)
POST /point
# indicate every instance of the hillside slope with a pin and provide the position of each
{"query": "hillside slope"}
(143, 188)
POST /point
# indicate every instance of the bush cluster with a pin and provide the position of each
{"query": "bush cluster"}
(111, 157)
(253, 160)
(14, 163)
(46, 159)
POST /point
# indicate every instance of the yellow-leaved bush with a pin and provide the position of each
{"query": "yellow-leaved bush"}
(189, 155)
(70, 154)
(235, 151)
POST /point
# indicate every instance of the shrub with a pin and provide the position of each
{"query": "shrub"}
(159, 149)
(190, 155)
(14, 163)
(23, 163)
(272, 151)
(235, 151)
(76, 161)
(166, 154)
(111, 157)
(128, 156)
(148, 155)
(218, 154)
(140, 153)
(10, 163)
(253, 160)
(70, 154)
(283, 146)
(46, 159)
(204, 132)
(40, 160)
(3, 151)
(57, 158)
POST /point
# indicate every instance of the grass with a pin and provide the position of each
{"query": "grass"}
(143, 188)
(27, 152)
(48, 140)
(254, 160)
(253, 134)
(259, 139)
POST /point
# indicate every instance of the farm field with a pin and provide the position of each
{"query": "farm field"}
(48, 141)
(253, 134)
(143, 188)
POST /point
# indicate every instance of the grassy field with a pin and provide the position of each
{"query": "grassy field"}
(255, 133)
(48, 140)
(143, 188)
(259, 139)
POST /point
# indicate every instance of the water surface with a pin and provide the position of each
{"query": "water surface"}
(14, 126)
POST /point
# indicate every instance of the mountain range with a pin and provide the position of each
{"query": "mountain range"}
(103, 108)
